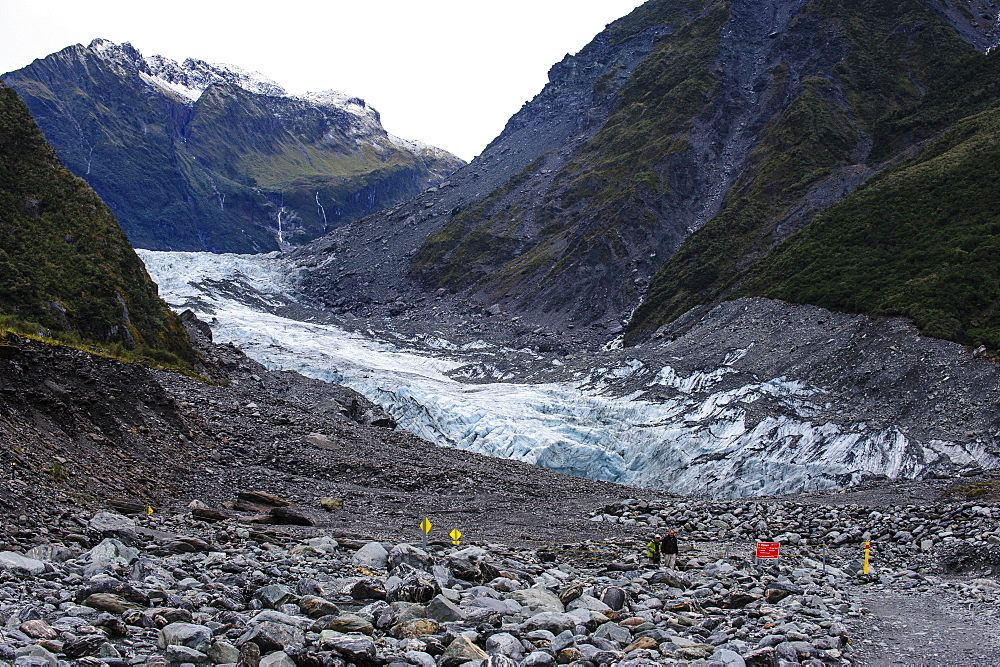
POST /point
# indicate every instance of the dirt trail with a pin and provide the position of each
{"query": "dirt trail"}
(939, 628)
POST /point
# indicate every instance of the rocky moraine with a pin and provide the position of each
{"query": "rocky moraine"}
(173, 588)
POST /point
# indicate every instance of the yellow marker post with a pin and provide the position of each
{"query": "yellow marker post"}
(426, 526)
(456, 536)
(149, 510)
(868, 548)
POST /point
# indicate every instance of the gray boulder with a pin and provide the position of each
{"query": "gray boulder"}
(12, 561)
(273, 596)
(276, 659)
(460, 651)
(223, 653)
(442, 609)
(410, 555)
(554, 622)
(614, 597)
(539, 659)
(614, 632)
(274, 616)
(411, 585)
(271, 636)
(184, 655)
(537, 598)
(52, 553)
(504, 643)
(197, 637)
(358, 650)
(112, 524)
(35, 656)
(588, 602)
(108, 553)
(372, 555)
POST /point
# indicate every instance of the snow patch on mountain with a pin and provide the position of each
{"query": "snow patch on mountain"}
(192, 77)
(723, 433)
(182, 91)
(195, 76)
(188, 79)
(340, 100)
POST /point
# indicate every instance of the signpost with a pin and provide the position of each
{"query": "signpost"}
(768, 550)
(456, 536)
(868, 548)
(426, 526)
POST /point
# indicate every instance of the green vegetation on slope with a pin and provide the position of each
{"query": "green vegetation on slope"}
(66, 267)
(653, 110)
(605, 186)
(811, 139)
(905, 75)
(920, 240)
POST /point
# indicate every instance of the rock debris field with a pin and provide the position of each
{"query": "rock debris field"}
(175, 589)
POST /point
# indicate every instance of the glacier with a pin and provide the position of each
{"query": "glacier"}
(700, 440)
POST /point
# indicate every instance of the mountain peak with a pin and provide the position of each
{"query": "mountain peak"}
(188, 79)
(118, 52)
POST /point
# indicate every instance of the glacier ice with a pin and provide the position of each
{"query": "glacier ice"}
(699, 441)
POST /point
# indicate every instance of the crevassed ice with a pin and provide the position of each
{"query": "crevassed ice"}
(700, 442)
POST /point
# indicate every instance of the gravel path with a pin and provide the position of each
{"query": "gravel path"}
(929, 629)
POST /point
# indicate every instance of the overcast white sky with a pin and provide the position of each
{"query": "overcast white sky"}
(449, 72)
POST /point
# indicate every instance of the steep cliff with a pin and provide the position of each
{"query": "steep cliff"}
(905, 75)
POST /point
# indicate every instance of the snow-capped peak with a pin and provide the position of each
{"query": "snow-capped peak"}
(197, 75)
(416, 147)
(112, 51)
(188, 79)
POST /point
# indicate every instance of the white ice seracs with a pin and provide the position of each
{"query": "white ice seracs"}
(701, 441)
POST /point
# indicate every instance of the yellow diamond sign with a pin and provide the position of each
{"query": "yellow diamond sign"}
(456, 535)
(426, 525)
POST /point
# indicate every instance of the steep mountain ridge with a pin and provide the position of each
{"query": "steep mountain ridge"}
(66, 266)
(897, 93)
(732, 126)
(156, 140)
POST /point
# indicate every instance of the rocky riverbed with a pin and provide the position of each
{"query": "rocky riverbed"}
(142, 596)
(173, 588)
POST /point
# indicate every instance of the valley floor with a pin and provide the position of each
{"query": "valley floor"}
(940, 628)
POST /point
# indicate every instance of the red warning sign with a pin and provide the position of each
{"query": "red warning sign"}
(767, 549)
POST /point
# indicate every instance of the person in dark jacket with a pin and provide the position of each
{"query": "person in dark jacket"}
(654, 549)
(670, 549)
